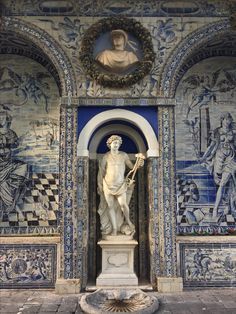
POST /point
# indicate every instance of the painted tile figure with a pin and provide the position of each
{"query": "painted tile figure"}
(205, 133)
(220, 160)
(208, 264)
(118, 59)
(115, 189)
(13, 172)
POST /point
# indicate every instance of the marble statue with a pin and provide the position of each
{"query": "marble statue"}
(118, 59)
(115, 189)
(220, 159)
(13, 172)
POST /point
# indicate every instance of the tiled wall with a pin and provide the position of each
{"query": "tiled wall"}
(205, 149)
(30, 101)
(166, 34)
(29, 158)
(208, 265)
(28, 265)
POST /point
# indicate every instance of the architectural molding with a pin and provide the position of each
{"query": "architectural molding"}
(120, 128)
(114, 114)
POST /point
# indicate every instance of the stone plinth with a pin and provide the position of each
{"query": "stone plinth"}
(169, 284)
(117, 262)
(67, 286)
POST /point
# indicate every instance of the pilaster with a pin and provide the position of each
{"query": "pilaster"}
(167, 280)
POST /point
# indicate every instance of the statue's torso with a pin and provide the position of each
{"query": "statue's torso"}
(115, 168)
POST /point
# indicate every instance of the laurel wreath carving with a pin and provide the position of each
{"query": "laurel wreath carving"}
(131, 26)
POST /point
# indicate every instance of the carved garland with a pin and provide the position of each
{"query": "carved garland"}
(130, 26)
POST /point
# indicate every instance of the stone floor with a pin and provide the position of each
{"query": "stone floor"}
(215, 301)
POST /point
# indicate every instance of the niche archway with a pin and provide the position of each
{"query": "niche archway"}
(115, 114)
(132, 125)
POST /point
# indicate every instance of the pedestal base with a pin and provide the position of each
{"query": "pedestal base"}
(169, 284)
(117, 263)
(67, 286)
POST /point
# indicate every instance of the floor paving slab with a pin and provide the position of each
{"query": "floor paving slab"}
(30, 309)
(40, 312)
(217, 301)
(49, 307)
(230, 305)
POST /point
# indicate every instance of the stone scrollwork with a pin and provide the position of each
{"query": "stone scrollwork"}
(112, 78)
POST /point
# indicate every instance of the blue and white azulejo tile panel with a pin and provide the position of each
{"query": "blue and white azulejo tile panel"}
(27, 266)
(208, 265)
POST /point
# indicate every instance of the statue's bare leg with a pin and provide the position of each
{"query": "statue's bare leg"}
(112, 214)
(125, 208)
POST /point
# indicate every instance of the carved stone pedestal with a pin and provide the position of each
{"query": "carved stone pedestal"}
(117, 262)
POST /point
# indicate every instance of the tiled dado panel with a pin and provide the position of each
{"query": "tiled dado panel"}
(28, 265)
(208, 264)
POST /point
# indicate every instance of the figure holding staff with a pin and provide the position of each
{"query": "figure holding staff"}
(115, 189)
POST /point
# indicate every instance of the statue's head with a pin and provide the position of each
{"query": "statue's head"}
(119, 39)
(112, 139)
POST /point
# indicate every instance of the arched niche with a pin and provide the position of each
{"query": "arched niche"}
(140, 132)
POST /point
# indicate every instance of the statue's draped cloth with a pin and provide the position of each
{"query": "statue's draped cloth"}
(117, 60)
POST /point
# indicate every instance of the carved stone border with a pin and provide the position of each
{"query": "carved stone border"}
(108, 24)
(171, 74)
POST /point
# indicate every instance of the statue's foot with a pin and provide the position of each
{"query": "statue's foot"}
(114, 232)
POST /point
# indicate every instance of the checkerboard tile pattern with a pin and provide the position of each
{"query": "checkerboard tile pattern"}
(39, 206)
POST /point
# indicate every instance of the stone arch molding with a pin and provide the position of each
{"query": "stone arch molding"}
(51, 48)
(121, 114)
(169, 76)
